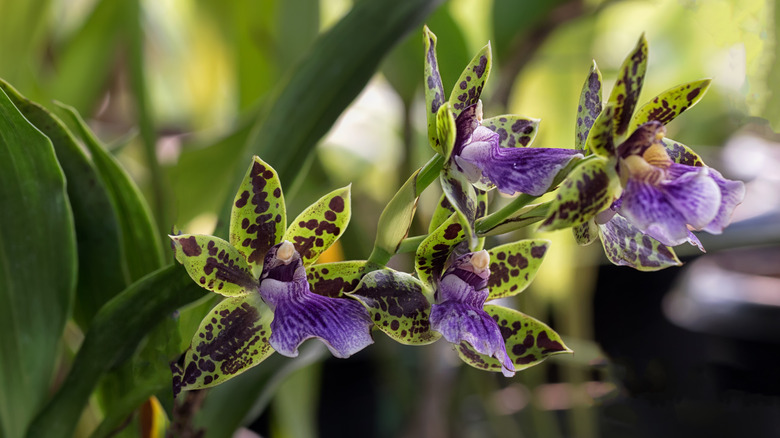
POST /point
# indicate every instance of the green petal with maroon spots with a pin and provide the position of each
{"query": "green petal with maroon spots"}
(601, 139)
(446, 130)
(467, 90)
(397, 306)
(433, 252)
(513, 131)
(335, 279)
(528, 341)
(671, 103)
(258, 217)
(589, 107)
(625, 245)
(434, 90)
(214, 264)
(232, 338)
(587, 233)
(589, 189)
(513, 266)
(321, 224)
(625, 93)
(463, 196)
(444, 209)
(681, 154)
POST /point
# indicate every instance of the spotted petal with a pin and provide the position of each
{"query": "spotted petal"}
(600, 140)
(588, 189)
(335, 279)
(463, 197)
(625, 245)
(444, 210)
(435, 250)
(513, 131)
(321, 224)
(585, 234)
(513, 266)
(681, 154)
(214, 264)
(258, 217)
(469, 86)
(342, 324)
(528, 341)
(434, 90)
(671, 103)
(397, 306)
(446, 130)
(625, 93)
(232, 338)
(589, 107)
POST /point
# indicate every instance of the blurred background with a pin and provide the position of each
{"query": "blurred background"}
(683, 352)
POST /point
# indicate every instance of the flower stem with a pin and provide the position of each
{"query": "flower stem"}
(492, 220)
(410, 244)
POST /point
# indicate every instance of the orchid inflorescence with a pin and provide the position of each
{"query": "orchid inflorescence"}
(622, 181)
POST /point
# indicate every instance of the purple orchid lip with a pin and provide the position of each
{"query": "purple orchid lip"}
(459, 316)
(299, 314)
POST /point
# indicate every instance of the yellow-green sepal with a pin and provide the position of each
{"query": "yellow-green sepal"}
(214, 264)
(320, 225)
(446, 130)
(671, 103)
(468, 89)
(513, 130)
(625, 245)
(589, 106)
(335, 279)
(625, 93)
(433, 252)
(434, 90)
(513, 266)
(681, 154)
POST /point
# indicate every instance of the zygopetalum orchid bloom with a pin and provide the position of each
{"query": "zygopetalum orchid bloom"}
(486, 336)
(483, 153)
(648, 192)
(269, 303)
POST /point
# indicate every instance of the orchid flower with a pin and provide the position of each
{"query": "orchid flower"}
(269, 304)
(478, 153)
(637, 190)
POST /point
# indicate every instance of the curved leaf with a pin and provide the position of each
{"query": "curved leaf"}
(513, 266)
(214, 264)
(37, 267)
(395, 220)
(671, 103)
(528, 341)
(589, 107)
(513, 130)
(321, 224)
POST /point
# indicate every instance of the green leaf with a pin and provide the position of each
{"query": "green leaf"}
(513, 130)
(625, 93)
(601, 139)
(467, 90)
(586, 233)
(100, 268)
(321, 224)
(397, 306)
(433, 252)
(37, 267)
(528, 341)
(625, 245)
(513, 266)
(681, 154)
(463, 197)
(140, 241)
(446, 130)
(395, 220)
(589, 189)
(589, 107)
(108, 343)
(434, 90)
(336, 279)
(232, 338)
(214, 264)
(258, 217)
(671, 103)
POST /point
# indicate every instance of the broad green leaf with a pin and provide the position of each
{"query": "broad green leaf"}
(625, 245)
(528, 341)
(433, 252)
(446, 130)
(625, 93)
(513, 266)
(395, 220)
(397, 306)
(232, 338)
(140, 241)
(671, 103)
(321, 224)
(601, 140)
(521, 218)
(586, 233)
(258, 217)
(214, 264)
(335, 279)
(463, 197)
(513, 130)
(101, 274)
(37, 267)
(467, 90)
(681, 154)
(434, 90)
(589, 189)
(589, 107)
